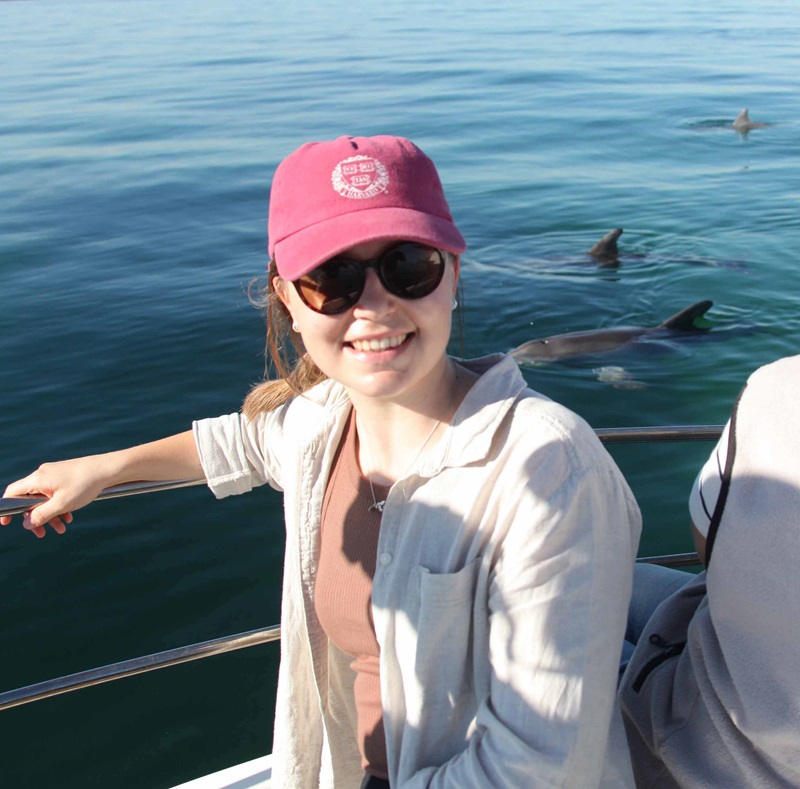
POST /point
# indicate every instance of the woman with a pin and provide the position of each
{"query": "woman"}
(458, 547)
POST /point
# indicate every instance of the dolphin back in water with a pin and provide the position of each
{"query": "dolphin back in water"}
(577, 343)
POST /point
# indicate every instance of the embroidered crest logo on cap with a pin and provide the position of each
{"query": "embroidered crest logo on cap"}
(360, 177)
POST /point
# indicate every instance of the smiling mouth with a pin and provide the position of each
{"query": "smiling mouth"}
(382, 344)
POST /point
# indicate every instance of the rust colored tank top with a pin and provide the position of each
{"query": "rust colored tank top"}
(343, 591)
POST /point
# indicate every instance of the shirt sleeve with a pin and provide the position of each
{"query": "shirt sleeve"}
(237, 454)
(707, 485)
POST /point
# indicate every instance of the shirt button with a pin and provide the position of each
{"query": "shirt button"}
(385, 558)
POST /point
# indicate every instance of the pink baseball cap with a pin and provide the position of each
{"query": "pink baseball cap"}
(329, 196)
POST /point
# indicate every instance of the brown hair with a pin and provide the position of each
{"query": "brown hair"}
(295, 370)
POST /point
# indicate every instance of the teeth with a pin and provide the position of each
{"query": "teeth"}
(378, 345)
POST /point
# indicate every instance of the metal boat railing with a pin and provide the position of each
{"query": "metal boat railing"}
(640, 435)
(218, 646)
(139, 665)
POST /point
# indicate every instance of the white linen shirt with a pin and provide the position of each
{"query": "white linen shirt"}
(499, 599)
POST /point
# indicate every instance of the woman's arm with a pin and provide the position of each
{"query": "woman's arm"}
(71, 484)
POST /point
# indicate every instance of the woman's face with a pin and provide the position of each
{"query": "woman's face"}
(385, 346)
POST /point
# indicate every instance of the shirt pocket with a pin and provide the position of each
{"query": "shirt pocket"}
(445, 634)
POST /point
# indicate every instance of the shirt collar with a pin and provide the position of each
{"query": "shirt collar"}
(469, 437)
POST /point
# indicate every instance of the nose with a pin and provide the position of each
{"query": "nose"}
(375, 299)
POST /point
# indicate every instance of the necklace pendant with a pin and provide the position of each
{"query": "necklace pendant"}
(377, 506)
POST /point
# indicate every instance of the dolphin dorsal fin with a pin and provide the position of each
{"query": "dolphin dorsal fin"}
(684, 320)
(607, 245)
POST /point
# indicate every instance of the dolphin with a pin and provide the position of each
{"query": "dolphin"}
(743, 124)
(606, 250)
(561, 346)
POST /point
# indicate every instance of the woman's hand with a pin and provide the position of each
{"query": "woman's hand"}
(68, 485)
(71, 484)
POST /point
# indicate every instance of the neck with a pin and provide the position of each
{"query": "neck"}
(393, 435)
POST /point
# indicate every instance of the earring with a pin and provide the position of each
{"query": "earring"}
(454, 304)
(295, 327)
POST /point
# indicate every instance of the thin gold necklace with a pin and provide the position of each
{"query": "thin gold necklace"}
(377, 506)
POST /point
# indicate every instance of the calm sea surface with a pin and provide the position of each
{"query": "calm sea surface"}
(137, 143)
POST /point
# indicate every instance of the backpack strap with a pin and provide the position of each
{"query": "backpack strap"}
(725, 483)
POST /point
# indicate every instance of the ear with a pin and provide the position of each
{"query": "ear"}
(281, 287)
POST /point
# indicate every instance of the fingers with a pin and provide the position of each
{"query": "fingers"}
(37, 530)
(45, 481)
(22, 487)
(58, 524)
(66, 486)
(47, 512)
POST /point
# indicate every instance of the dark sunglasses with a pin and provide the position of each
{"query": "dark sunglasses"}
(407, 270)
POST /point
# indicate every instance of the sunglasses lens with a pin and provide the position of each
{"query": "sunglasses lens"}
(408, 270)
(411, 271)
(333, 287)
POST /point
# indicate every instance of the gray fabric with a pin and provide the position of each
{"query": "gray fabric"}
(724, 710)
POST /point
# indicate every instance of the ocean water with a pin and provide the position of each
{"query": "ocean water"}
(137, 143)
